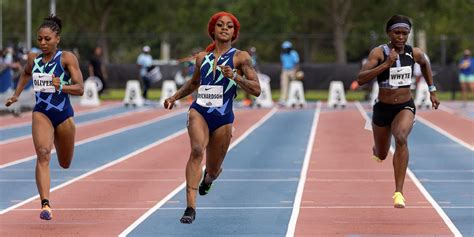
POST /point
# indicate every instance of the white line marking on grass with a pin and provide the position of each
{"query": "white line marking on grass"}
(445, 133)
(182, 185)
(103, 135)
(304, 171)
(123, 158)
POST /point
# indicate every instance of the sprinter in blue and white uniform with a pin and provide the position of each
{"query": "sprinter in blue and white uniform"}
(394, 112)
(219, 70)
(56, 75)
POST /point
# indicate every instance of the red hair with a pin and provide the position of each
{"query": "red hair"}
(212, 24)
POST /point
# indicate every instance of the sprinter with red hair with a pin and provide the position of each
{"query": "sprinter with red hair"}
(219, 70)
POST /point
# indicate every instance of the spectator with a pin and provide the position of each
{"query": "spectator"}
(145, 62)
(97, 69)
(289, 65)
(466, 75)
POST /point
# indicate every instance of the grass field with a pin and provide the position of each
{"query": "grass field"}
(311, 95)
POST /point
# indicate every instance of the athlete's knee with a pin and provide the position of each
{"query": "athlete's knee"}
(43, 154)
(197, 151)
(380, 154)
(65, 164)
(400, 139)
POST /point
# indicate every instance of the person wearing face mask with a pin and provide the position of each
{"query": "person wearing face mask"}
(394, 112)
(56, 75)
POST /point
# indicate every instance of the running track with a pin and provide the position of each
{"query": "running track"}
(301, 172)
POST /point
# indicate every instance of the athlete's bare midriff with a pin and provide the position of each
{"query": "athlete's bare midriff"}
(394, 96)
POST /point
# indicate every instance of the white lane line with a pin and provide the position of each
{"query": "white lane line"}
(430, 199)
(182, 185)
(239, 208)
(98, 120)
(420, 187)
(76, 114)
(445, 133)
(123, 158)
(295, 179)
(103, 135)
(304, 171)
(368, 121)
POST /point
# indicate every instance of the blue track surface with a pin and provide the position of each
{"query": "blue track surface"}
(88, 156)
(10, 133)
(258, 185)
(446, 170)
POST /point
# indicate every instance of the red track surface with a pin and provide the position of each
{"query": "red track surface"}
(23, 148)
(347, 193)
(9, 120)
(112, 199)
(457, 125)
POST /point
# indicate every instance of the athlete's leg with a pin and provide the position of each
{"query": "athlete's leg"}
(382, 137)
(43, 135)
(216, 150)
(64, 142)
(199, 138)
(401, 127)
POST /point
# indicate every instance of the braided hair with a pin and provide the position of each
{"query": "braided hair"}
(52, 22)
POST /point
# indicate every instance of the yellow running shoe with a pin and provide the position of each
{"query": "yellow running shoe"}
(398, 200)
(46, 213)
(377, 159)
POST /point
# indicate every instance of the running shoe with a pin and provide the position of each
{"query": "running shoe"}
(188, 216)
(204, 188)
(376, 158)
(398, 200)
(46, 213)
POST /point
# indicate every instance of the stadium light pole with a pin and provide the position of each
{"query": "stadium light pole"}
(28, 25)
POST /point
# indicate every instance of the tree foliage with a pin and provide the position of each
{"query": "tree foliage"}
(321, 30)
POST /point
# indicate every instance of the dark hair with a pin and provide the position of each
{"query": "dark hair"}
(397, 19)
(53, 22)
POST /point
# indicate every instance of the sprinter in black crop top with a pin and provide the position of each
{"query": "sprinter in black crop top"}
(394, 112)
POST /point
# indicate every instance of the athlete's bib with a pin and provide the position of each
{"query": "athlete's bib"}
(43, 82)
(210, 96)
(400, 76)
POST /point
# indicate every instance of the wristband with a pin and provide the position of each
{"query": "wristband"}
(235, 76)
(432, 88)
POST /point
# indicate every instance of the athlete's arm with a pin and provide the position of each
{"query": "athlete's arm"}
(243, 64)
(190, 85)
(24, 78)
(425, 66)
(370, 69)
(70, 63)
(250, 82)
